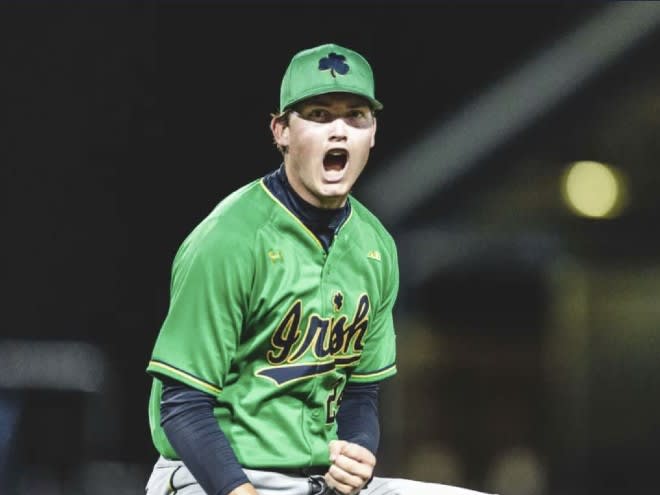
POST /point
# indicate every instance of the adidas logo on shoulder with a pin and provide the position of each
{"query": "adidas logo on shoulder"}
(374, 255)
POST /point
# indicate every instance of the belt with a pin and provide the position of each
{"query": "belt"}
(304, 472)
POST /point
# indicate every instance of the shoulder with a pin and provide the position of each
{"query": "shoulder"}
(232, 225)
(245, 206)
(370, 226)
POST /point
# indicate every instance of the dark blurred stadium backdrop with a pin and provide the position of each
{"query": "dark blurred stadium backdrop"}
(516, 165)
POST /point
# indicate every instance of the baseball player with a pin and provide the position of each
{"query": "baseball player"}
(279, 329)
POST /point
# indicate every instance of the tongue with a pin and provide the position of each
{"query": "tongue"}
(334, 162)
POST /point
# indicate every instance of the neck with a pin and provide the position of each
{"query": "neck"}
(323, 222)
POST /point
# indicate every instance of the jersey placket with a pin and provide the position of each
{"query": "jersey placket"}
(315, 420)
(312, 421)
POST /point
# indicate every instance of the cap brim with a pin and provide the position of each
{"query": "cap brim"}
(373, 102)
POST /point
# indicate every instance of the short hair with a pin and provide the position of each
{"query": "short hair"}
(282, 117)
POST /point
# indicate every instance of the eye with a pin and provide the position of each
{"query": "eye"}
(356, 113)
(318, 115)
(359, 117)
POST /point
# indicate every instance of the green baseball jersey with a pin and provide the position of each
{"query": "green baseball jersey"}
(274, 327)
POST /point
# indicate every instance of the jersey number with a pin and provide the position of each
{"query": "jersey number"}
(333, 402)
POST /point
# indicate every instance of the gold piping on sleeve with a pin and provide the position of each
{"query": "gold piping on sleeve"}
(203, 384)
(375, 374)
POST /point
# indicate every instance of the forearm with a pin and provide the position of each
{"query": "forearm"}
(188, 421)
(357, 420)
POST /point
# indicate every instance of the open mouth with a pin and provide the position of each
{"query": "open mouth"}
(335, 160)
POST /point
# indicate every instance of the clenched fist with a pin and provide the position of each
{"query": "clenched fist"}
(352, 467)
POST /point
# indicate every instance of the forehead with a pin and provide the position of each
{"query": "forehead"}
(335, 99)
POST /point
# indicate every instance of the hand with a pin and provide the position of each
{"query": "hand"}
(244, 489)
(352, 467)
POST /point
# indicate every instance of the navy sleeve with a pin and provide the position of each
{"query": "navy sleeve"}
(357, 420)
(188, 421)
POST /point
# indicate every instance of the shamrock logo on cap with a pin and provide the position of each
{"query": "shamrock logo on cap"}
(335, 63)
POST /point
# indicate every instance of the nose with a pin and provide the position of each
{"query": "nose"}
(338, 129)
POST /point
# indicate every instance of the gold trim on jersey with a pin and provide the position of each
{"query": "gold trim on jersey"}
(187, 376)
(375, 374)
(309, 232)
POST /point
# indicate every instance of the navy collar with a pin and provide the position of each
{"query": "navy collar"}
(322, 222)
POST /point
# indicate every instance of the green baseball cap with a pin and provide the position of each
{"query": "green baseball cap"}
(327, 68)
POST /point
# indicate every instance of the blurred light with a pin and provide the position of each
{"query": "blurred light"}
(518, 471)
(57, 365)
(435, 463)
(593, 189)
(106, 477)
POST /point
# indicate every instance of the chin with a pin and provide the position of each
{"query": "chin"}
(334, 191)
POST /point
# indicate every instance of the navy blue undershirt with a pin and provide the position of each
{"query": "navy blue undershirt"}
(187, 414)
(323, 222)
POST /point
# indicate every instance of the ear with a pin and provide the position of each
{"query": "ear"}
(373, 133)
(280, 132)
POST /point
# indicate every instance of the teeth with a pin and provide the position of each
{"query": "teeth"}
(336, 152)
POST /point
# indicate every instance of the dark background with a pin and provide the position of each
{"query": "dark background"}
(124, 124)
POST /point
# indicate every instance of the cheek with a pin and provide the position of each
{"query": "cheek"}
(365, 149)
(304, 145)
(298, 150)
